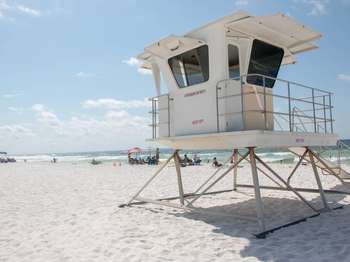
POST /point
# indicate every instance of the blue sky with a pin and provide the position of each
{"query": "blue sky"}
(69, 83)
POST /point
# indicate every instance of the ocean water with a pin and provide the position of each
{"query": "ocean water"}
(269, 155)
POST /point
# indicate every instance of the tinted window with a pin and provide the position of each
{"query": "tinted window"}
(178, 69)
(191, 67)
(233, 61)
(265, 59)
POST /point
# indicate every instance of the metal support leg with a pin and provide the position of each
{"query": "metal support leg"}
(263, 172)
(151, 178)
(318, 180)
(213, 175)
(296, 166)
(218, 179)
(235, 170)
(330, 170)
(259, 207)
(286, 184)
(179, 178)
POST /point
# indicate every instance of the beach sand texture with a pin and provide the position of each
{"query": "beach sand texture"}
(69, 212)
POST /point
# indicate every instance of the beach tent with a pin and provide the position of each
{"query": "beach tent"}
(134, 150)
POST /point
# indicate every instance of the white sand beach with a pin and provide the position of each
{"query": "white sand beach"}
(69, 212)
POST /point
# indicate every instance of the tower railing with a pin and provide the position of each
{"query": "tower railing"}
(296, 107)
(342, 151)
(157, 111)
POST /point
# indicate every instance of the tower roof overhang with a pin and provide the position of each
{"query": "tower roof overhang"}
(279, 29)
(168, 47)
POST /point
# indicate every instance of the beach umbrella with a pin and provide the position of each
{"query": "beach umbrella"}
(134, 150)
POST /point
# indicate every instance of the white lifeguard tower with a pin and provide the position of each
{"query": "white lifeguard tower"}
(223, 93)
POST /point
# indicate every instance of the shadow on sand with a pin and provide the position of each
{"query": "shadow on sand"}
(325, 236)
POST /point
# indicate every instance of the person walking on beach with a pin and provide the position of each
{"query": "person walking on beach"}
(157, 156)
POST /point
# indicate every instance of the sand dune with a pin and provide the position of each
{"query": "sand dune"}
(69, 212)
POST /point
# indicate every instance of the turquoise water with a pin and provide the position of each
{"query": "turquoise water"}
(269, 155)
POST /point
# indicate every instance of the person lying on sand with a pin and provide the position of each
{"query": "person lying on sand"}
(216, 163)
(187, 160)
(95, 162)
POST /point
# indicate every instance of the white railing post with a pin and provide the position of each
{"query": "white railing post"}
(265, 116)
(314, 111)
(289, 109)
(169, 116)
(217, 109)
(242, 103)
(330, 111)
(324, 114)
(153, 121)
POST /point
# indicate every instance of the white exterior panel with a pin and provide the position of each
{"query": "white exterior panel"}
(253, 138)
(202, 116)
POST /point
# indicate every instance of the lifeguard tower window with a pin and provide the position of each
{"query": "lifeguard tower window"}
(265, 59)
(233, 61)
(191, 67)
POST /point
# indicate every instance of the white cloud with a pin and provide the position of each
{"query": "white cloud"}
(318, 7)
(38, 107)
(113, 122)
(10, 95)
(241, 2)
(18, 110)
(84, 75)
(45, 116)
(28, 10)
(124, 119)
(144, 71)
(8, 10)
(110, 103)
(116, 114)
(15, 131)
(134, 62)
(112, 119)
(343, 77)
(115, 129)
(4, 7)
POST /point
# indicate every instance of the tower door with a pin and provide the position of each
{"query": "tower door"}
(232, 119)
